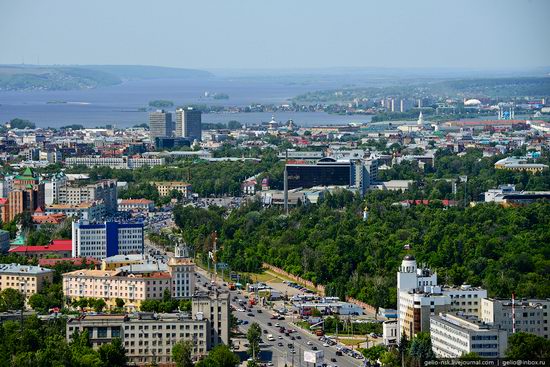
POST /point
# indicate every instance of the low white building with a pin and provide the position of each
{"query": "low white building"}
(390, 330)
(127, 205)
(453, 336)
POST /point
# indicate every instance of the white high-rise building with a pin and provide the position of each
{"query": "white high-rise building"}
(419, 297)
(182, 268)
(52, 187)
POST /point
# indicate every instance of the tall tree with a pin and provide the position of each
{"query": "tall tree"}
(254, 335)
(182, 353)
(11, 299)
(421, 348)
(113, 354)
(527, 346)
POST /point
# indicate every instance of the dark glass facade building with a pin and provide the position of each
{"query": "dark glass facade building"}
(326, 172)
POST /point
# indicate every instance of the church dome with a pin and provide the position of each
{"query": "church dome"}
(472, 102)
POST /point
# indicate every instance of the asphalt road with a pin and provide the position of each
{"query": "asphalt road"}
(270, 350)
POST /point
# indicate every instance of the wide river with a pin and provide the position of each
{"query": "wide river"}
(118, 105)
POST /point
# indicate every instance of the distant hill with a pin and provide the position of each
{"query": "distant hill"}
(149, 72)
(36, 77)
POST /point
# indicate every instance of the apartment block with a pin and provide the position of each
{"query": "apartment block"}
(166, 188)
(92, 211)
(150, 337)
(112, 284)
(115, 162)
(27, 279)
(454, 335)
(215, 308)
(133, 278)
(531, 315)
(104, 190)
(147, 337)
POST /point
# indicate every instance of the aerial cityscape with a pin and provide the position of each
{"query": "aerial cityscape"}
(275, 184)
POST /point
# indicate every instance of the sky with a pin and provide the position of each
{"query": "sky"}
(278, 34)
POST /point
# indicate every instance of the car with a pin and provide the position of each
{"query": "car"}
(270, 364)
(292, 351)
(259, 311)
(277, 325)
(269, 324)
(290, 345)
(298, 337)
(309, 343)
(326, 345)
(292, 338)
(338, 353)
(280, 344)
(314, 347)
(250, 314)
(280, 337)
(265, 331)
(280, 318)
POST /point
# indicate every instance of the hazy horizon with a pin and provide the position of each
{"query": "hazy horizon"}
(282, 35)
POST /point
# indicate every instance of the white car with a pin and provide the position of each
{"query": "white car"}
(326, 345)
(309, 343)
(277, 325)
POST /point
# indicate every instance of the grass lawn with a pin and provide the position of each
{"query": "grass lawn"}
(351, 341)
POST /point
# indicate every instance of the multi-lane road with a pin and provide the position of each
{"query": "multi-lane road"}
(278, 352)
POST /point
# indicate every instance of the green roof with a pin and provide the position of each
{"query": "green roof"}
(28, 174)
(18, 241)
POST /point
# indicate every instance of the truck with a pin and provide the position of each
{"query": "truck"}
(319, 332)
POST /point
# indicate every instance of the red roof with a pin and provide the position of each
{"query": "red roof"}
(54, 246)
(3, 201)
(73, 260)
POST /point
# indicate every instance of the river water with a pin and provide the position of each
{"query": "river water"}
(118, 105)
